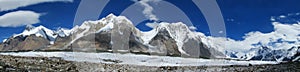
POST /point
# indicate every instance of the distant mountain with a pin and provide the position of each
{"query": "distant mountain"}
(268, 54)
(31, 38)
(118, 34)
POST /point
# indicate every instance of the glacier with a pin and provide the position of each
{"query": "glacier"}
(133, 59)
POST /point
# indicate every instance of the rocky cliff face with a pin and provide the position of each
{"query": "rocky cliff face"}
(163, 44)
(30, 42)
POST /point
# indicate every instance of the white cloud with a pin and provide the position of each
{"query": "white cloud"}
(284, 33)
(282, 16)
(221, 32)
(148, 9)
(192, 28)
(272, 18)
(19, 18)
(152, 25)
(14, 4)
(230, 20)
(284, 36)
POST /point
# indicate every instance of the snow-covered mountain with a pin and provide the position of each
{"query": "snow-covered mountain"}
(268, 54)
(118, 34)
(39, 31)
(32, 38)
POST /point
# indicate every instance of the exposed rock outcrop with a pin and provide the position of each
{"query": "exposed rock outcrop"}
(19, 43)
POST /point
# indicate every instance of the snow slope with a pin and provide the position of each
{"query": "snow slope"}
(63, 32)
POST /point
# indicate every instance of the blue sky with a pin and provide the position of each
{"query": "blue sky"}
(240, 17)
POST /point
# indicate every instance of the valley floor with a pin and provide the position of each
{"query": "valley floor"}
(91, 62)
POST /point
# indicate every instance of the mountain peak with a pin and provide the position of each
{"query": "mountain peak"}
(29, 27)
(111, 15)
(173, 26)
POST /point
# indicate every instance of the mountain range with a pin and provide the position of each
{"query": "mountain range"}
(118, 34)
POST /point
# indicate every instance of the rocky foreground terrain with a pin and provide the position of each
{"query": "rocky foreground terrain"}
(24, 64)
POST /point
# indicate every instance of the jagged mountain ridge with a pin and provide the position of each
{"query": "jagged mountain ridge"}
(118, 34)
(268, 54)
(115, 33)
